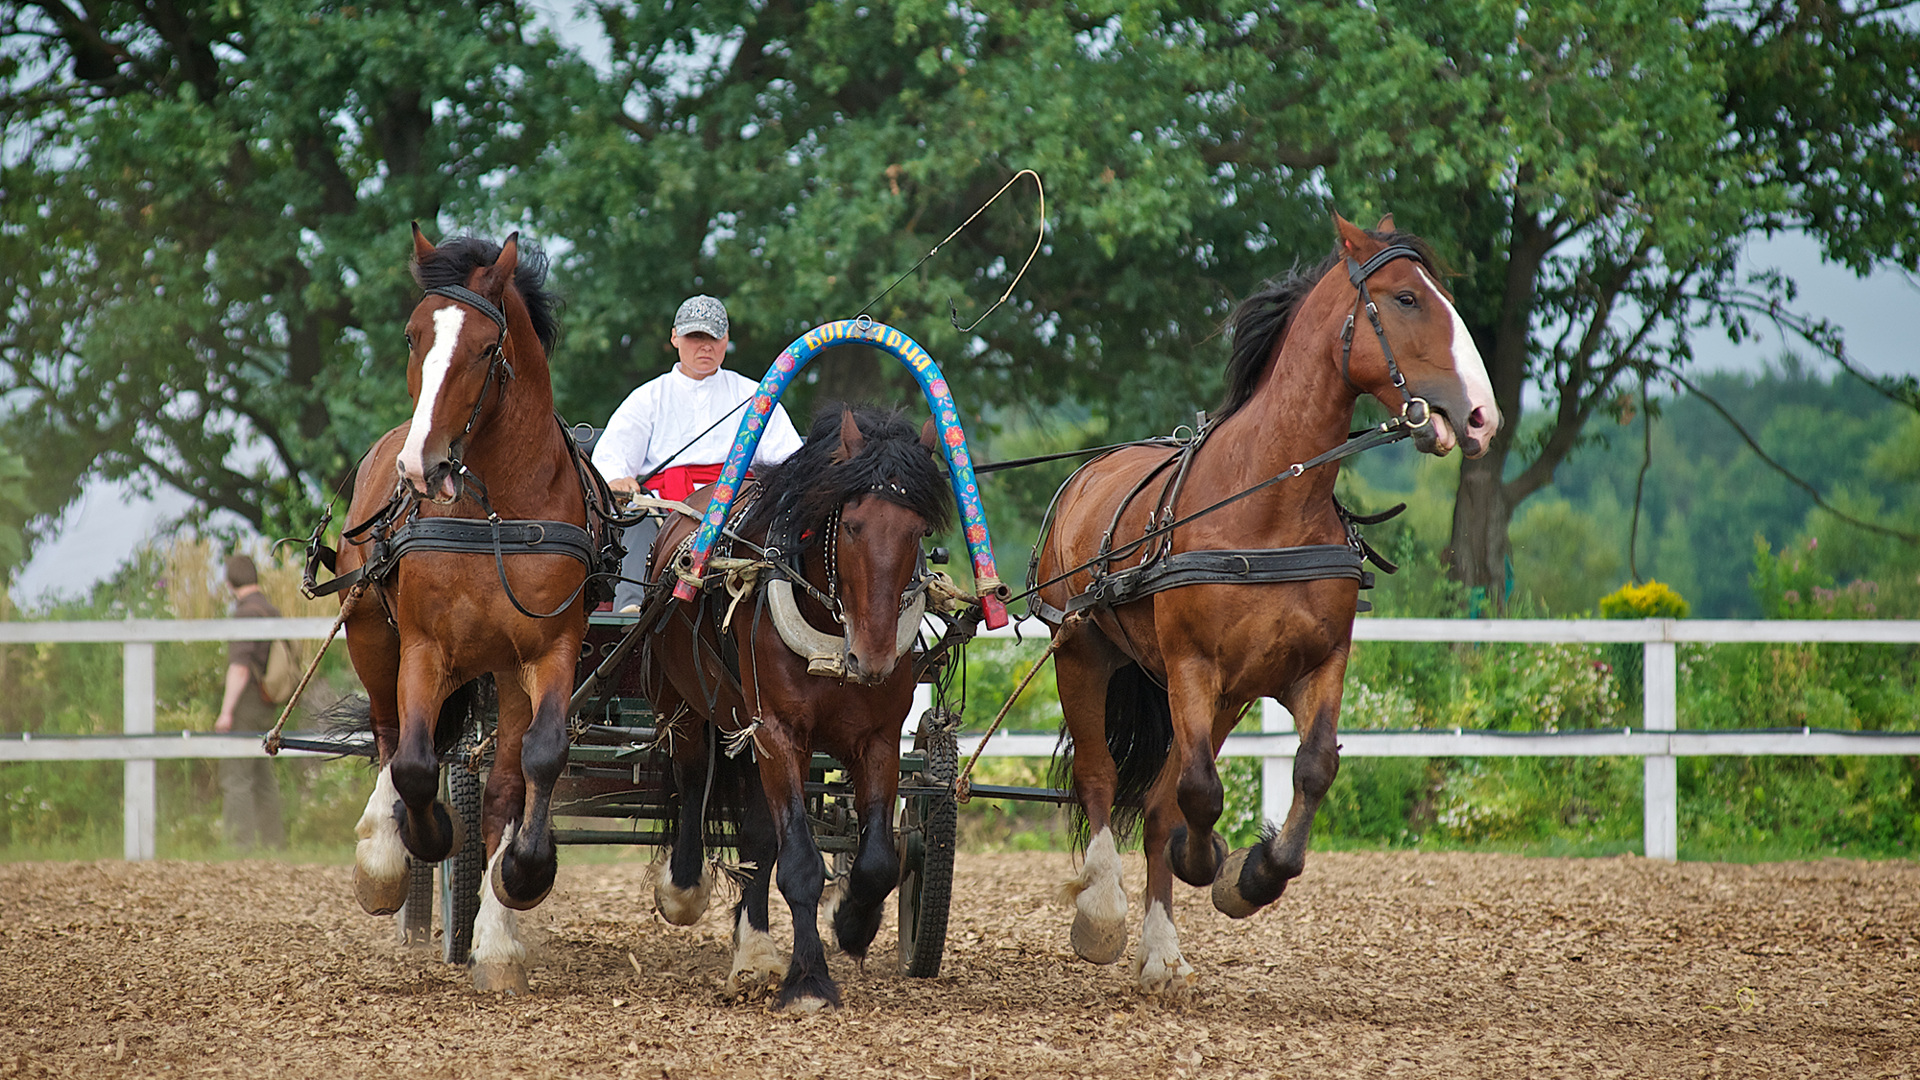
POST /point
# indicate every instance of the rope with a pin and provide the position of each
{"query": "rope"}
(272, 742)
(963, 784)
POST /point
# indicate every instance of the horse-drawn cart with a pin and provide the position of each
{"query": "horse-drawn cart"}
(618, 784)
(617, 791)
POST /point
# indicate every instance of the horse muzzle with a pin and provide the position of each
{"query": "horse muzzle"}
(836, 657)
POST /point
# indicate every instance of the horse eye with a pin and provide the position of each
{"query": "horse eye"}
(409, 342)
(1407, 299)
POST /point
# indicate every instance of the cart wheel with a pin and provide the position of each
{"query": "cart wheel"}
(461, 873)
(414, 920)
(927, 834)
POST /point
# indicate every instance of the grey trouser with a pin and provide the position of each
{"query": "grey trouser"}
(639, 542)
(250, 791)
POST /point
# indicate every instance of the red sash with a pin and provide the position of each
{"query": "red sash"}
(681, 481)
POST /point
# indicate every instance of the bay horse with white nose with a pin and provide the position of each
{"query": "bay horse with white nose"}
(472, 547)
(816, 658)
(1151, 685)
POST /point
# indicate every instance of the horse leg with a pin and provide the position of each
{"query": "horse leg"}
(498, 958)
(379, 855)
(1082, 667)
(408, 788)
(524, 876)
(1255, 877)
(756, 956)
(1194, 851)
(858, 900)
(802, 875)
(1181, 806)
(1158, 966)
(683, 880)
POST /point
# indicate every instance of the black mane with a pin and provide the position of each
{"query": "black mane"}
(812, 486)
(1261, 321)
(459, 256)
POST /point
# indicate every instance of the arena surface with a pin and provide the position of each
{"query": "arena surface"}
(1372, 965)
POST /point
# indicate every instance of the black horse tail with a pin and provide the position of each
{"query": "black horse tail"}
(1139, 728)
(353, 715)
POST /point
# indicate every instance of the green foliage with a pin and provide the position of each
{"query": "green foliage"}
(1651, 600)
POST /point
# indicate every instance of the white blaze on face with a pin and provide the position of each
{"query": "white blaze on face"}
(433, 377)
(1471, 370)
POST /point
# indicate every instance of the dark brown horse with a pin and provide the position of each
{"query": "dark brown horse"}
(844, 519)
(1150, 688)
(483, 435)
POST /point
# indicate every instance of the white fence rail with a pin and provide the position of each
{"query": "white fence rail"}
(1657, 741)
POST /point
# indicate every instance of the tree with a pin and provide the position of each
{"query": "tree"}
(797, 158)
(204, 223)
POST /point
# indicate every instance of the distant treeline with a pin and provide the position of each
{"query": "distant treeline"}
(1706, 499)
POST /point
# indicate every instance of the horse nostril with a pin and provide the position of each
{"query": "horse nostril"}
(1477, 418)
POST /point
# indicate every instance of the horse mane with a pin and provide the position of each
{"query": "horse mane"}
(811, 485)
(458, 257)
(1261, 321)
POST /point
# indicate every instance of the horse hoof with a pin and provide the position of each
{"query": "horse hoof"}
(1098, 942)
(1197, 876)
(681, 907)
(497, 882)
(378, 897)
(496, 978)
(1226, 888)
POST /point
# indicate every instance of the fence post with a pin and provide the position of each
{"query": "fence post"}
(136, 710)
(1276, 773)
(1659, 673)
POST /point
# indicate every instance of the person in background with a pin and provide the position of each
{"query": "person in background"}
(250, 793)
(674, 432)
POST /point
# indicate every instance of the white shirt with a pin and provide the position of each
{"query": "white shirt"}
(664, 415)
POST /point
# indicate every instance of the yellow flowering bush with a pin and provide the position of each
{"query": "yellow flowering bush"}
(1650, 601)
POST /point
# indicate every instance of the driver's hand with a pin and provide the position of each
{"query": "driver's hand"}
(624, 489)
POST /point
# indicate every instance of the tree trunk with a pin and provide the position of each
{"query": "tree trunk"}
(1479, 552)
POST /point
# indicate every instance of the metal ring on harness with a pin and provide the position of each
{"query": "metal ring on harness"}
(1420, 405)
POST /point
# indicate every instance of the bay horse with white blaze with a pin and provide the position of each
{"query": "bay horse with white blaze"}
(1150, 686)
(816, 658)
(482, 458)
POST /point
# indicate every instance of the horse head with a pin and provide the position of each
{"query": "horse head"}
(457, 348)
(1420, 328)
(869, 494)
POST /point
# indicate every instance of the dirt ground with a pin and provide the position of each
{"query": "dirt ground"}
(1372, 965)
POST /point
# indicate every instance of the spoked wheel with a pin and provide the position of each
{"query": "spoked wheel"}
(928, 826)
(461, 873)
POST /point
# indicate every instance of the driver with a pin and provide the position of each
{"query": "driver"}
(673, 433)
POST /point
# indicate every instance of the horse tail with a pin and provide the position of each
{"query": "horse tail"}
(1139, 730)
(353, 715)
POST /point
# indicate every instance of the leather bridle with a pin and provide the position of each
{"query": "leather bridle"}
(1415, 413)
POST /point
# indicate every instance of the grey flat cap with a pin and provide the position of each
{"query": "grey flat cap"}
(701, 315)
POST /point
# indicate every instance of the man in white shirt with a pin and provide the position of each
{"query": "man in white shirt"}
(672, 435)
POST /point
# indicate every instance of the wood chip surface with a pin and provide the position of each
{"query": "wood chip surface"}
(1372, 965)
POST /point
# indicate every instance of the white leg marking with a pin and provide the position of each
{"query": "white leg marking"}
(1099, 897)
(496, 929)
(1158, 966)
(381, 854)
(681, 907)
(433, 376)
(756, 959)
(830, 899)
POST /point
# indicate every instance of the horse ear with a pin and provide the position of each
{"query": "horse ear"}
(1386, 224)
(930, 437)
(495, 279)
(422, 247)
(851, 441)
(1353, 239)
